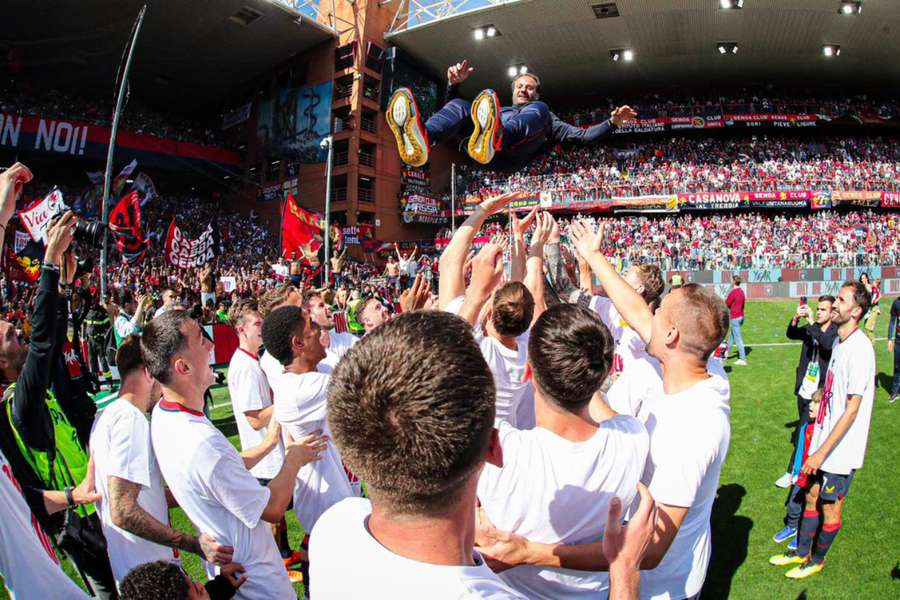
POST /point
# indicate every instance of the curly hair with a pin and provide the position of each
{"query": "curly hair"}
(158, 580)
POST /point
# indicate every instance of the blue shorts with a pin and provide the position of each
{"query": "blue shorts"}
(833, 487)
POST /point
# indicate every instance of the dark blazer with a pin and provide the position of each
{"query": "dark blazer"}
(812, 336)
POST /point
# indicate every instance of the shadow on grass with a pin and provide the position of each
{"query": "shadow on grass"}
(885, 381)
(730, 538)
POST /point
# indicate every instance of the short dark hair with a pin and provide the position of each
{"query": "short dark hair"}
(570, 351)
(826, 298)
(129, 357)
(411, 408)
(160, 580)
(737, 279)
(861, 296)
(162, 339)
(512, 309)
(278, 328)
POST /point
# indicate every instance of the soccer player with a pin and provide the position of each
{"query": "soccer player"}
(300, 406)
(412, 411)
(682, 470)
(338, 343)
(251, 400)
(134, 509)
(514, 133)
(557, 479)
(205, 473)
(838, 444)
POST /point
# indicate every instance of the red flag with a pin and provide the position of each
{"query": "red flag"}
(125, 225)
(299, 229)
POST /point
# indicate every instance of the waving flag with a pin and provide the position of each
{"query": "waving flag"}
(299, 229)
(125, 225)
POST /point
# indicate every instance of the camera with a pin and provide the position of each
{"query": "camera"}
(89, 233)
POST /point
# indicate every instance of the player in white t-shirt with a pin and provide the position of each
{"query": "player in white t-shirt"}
(134, 510)
(840, 434)
(29, 567)
(557, 479)
(251, 399)
(682, 470)
(205, 473)
(300, 407)
(338, 343)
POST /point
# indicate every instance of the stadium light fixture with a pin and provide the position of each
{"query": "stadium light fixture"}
(727, 47)
(731, 4)
(624, 54)
(486, 31)
(515, 70)
(830, 50)
(523, 69)
(512, 71)
(850, 7)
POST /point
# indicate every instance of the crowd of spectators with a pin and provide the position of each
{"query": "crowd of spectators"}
(690, 164)
(719, 241)
(743, 102)
(20, 99)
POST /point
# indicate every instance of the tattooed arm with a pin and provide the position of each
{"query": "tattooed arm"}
(127, 514)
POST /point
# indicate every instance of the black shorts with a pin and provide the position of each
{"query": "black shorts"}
(832, 486)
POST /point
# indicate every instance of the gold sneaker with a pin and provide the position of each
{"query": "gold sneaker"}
(405, 121)
(487, 136)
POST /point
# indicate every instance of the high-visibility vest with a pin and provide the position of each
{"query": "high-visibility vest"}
(70, 462)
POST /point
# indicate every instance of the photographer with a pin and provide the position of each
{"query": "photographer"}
(36, 436)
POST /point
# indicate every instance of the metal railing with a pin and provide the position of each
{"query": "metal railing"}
(339, 194)
(712, 260)
(369, 124)
(365, 195)
(367, 158)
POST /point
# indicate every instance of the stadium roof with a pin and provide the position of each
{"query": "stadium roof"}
(674, 42)
(190, 52)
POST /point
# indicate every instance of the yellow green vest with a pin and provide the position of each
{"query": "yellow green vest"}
(71, 461)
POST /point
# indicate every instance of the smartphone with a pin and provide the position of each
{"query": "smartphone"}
(802, 300)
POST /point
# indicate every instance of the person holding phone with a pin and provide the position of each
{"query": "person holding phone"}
(818, 337)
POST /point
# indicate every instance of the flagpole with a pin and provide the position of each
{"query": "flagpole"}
(112, 146)
(328, 142)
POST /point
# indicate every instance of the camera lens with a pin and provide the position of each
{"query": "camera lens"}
(89, 232)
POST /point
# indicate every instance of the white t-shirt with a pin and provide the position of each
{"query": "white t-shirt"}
(643, 380)
(629, 345)
(343, 556)
(553, 490)
(214, 488)
(120, 445)
(28, 565)
(689, 436)
(851, 372)
(271, 367)
(300, 407)
(249, 390)
(508, 368)
(337, 348)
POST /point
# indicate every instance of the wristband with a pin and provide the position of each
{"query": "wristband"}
(69, 497)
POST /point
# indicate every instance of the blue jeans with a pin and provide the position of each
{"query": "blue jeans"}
(736, 339)
(525, 127)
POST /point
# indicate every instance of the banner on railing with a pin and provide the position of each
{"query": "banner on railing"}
(820, 199)
(653, 202)
(781, 199)
(709, 200)
(719, 121)
(855, 198)
(890, 200)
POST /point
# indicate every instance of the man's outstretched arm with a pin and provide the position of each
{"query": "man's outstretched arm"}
(452, 282)
(627, 301)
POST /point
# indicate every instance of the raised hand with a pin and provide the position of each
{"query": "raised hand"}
(622, 115)
(415, 297)
(459, 72)
(487, 268)
(59, 237)
(11, 182)
(496, 204)
(234, 574)
(520, 226)
(586, 241)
